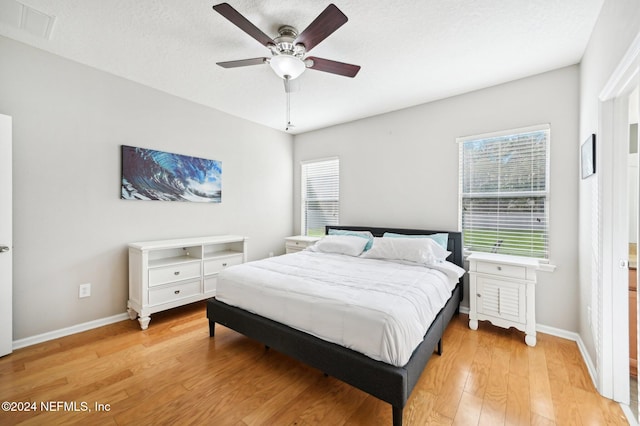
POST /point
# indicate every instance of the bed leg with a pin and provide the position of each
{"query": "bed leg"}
(212, 328)
(439, 347)
(397, 416)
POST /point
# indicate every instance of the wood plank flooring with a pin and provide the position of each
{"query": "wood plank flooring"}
(173, 373)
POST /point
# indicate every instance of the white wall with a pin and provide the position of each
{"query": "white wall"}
(617, 25)
(70, 225)
(401, 169)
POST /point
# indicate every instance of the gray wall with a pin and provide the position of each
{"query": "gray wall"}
(71, 227)
(401, 169)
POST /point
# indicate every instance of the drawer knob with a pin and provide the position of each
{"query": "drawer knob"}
(176, 292)
(224, 264)
(499, 268)
(479, 295)
(176, 273)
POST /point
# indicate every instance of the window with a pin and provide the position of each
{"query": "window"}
(320, 195)
(504, 189)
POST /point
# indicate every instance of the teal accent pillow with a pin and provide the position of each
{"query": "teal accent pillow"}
(362, 234)
(441, 238)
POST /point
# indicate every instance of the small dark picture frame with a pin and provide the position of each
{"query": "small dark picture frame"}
(588, 157)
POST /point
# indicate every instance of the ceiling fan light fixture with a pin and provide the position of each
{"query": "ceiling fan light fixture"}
(287, 66)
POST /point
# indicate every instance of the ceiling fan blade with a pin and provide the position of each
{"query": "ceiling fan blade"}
(243, 62)
(334, 67)
(243, 23)
(322, 27)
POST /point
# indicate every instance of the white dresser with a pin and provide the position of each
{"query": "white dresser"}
(502, 291)
(299, 243)
(169, 273)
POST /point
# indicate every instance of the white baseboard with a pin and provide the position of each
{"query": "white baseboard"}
(50, 335)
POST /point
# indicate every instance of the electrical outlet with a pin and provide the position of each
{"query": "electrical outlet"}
(84, 290)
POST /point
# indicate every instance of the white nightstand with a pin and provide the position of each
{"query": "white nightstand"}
(502, 291)
(299, 243)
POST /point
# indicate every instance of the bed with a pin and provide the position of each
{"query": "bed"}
(388, 382)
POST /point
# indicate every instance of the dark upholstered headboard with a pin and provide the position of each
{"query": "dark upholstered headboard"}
(454, 245)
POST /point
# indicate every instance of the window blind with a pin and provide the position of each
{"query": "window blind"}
(504, 187)
(320, 195)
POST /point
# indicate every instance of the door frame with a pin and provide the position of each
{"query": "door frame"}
(613, 299)
(6, 236)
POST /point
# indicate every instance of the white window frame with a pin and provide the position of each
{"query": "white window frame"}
(335, 220)
(546, 194)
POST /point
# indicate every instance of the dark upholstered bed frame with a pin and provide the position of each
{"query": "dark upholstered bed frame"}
(384, 381)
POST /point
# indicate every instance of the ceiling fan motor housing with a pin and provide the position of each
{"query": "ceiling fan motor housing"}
(288, 58)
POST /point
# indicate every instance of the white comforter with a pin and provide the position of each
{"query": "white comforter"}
(379, 308)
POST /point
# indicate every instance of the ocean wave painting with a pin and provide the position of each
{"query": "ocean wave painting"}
(156, 175)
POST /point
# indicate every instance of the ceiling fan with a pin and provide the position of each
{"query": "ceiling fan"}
(289, 49)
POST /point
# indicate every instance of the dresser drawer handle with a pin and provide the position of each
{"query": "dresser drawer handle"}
(176, 292)
(176, 273)
(479, 295)
(224, 264)
(499, 268)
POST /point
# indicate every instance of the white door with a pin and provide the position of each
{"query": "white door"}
(6, 281)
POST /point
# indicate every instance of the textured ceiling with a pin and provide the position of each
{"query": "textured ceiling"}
(411, 52)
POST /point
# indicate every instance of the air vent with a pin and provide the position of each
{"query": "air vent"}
(26, 18)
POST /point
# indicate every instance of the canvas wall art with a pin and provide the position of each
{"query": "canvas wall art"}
(588, 157)
(148, 174)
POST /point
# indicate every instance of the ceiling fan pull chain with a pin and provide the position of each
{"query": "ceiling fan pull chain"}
(288, 93)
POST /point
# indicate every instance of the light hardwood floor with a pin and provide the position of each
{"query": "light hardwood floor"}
(173, 373)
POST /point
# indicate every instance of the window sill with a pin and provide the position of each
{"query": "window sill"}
(546, 267)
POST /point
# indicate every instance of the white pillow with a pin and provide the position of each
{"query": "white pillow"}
(423, 251)
(341, 244)
(451, 270)
(364, 234)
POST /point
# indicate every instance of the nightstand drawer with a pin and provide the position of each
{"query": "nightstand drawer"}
(294, 246)
(169, 274)
(511, 271)
(175, 292)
